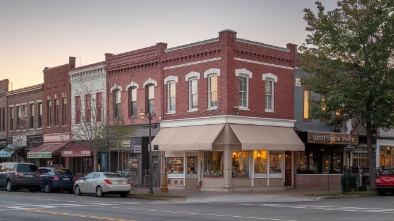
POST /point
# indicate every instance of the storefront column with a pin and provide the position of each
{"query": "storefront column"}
(227, 167)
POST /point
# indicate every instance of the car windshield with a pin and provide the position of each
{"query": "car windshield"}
(27, 168)
(112, 175)
(64, 171)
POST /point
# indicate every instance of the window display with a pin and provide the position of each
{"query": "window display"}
(213, 163)
(240, 162)
(260, 162)
(275, 162)
(174, 165)
(191, 166)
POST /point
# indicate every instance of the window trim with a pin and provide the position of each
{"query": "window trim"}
(208, 74)
(170, 80)
(274, 79)
(248, 74)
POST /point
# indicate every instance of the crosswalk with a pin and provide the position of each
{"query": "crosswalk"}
(40, 206)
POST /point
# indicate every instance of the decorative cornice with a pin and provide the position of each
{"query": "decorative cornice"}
(262, 44)
(192, 44)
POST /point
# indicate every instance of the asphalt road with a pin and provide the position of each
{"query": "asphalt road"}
(40, 206)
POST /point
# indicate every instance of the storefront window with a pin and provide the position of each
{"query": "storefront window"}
(275, 162)
(174, 165)
(386, 156)
(191, 165)
(240, 164)
(302, 162)
(337, 162)
(213, 163)
(260, 162)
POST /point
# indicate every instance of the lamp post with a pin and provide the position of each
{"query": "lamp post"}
(149, 115)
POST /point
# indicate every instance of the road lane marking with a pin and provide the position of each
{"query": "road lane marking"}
(80, 215)
(333, 208)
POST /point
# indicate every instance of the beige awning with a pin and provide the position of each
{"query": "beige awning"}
(187, 138)
(254, 137)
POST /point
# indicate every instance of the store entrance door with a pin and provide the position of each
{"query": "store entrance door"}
(287, 168)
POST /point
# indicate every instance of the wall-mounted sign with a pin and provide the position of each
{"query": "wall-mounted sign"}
(332, 138)
(39, 155)
(137, 148)
(76, 153)
(126, 143)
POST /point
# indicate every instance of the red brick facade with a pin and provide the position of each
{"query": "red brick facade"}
(57, 86)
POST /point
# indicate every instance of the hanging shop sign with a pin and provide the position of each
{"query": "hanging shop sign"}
(332, 138)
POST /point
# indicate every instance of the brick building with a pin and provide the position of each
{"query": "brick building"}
(3, 118)
(227, 114)
(56, 121)
(25, 128)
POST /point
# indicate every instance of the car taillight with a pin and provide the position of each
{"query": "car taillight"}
(17, 174)
(74, 178)
(108, 181)
(55, 178)
(128, 181)
(379, 180)
(39, 176)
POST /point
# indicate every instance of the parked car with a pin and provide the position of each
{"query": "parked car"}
(385, 181)
(56, 179)
(102, 183)
(16, 175)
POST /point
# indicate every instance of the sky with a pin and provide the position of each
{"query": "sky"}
(35, 34)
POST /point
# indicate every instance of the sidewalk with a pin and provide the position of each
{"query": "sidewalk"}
(264, 196)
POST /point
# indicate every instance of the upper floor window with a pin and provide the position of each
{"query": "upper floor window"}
(270, 80)
(307, 96)
(99, 101)
(193, 93)
(64, 111)
(171, 93)
(2, 119)
(88, 108)
(117, 104)
(49, 113)
(77, 110)
(212, 75)
(18, 116)
(31, 116)
(151, 99)
(132, 102)
(213, 91)
(243, 87)
(171, 97)
(12, 118)
(39, 125)
(56, 112)
(269, 94)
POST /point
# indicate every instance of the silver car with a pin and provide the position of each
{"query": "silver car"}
(102, 183)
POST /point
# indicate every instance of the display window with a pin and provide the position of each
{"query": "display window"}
(260, 162)
(213, 163)
(240, 162)
(174, 165)
(275, 162)
(319, 161)
(191, 166)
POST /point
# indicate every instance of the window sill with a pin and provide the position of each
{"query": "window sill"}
(269, 111)
(193, 110)
(212, 108)
(244, 108)
(171, 112)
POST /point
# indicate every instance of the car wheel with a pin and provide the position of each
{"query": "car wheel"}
(381, 192)
(77, 190)
(9, 186)
(33, 189)
(48, 188)
(99, 191)
(124, 195)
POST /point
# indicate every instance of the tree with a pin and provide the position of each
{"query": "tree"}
(349, 55)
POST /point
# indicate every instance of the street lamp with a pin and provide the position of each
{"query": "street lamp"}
(149, 115)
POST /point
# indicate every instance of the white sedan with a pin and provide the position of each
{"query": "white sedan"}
(102, 183)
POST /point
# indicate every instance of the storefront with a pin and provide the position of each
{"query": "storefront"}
(230, 153)
(6, 153)
(78, 158)
(325, 157)
(48, 154)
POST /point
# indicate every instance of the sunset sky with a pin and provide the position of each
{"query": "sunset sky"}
(35, 34)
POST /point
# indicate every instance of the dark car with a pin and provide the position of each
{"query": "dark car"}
(56, 179)
(16, 175)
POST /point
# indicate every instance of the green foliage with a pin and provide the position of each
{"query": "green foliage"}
(349, 55)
